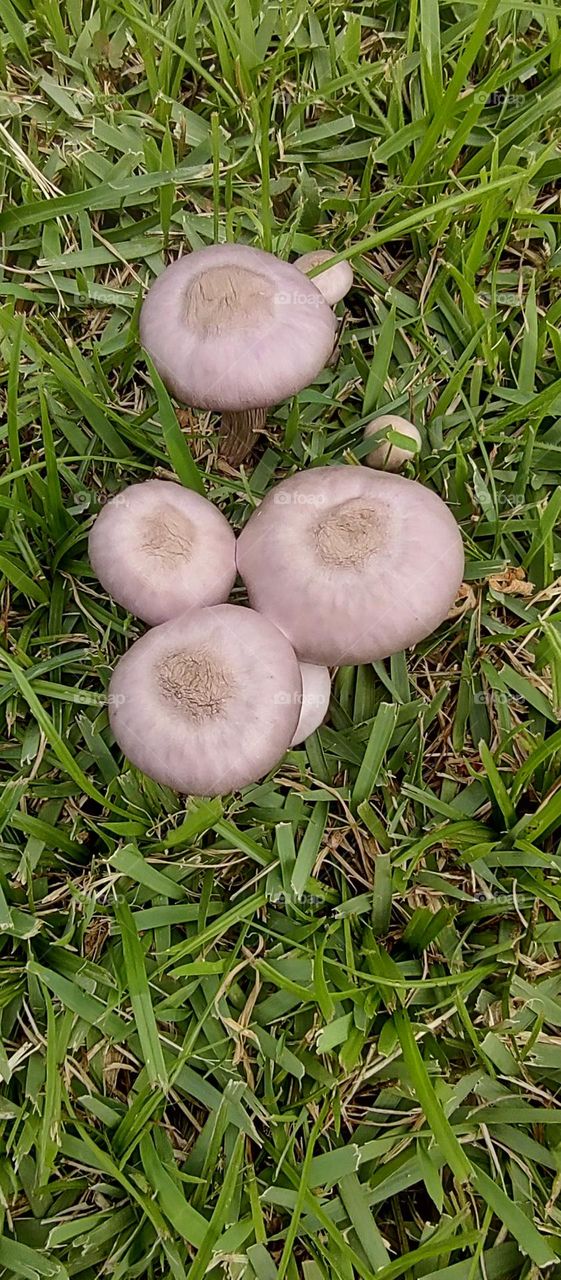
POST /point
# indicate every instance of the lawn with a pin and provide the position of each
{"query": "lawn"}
(313, 1029)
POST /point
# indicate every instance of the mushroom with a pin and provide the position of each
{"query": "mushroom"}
(352, 564)
(333, 283)
(235, 329)
(316, 692)
(208, 702)
(387, 456)
(159, 549)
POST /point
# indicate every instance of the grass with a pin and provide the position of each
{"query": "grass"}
(312, 1030)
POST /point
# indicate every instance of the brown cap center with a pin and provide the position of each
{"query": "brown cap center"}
(198, 684)
(167, 536)
(349, 534)
(223, 296)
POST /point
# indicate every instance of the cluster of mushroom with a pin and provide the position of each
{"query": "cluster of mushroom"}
(234, 329)
(342, 565)
(213, 695)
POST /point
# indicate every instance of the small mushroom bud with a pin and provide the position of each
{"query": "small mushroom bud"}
(208, 702)
(159, 549)
(388, 456)
(353, 565)
(235, 329)
(316, 692)
(333, 283)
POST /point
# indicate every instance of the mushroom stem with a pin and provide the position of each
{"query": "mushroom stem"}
(239, 430)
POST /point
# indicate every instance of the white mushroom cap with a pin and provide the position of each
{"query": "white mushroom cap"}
(232, 328)
(352, 564)
(159, 549)
(333, 283)
(316, 692)
(208, 702)
(387, 456)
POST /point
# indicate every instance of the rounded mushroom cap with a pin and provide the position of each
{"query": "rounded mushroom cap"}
(333, 283)
(351, 564)
(316, 692)
(159, 549)
(231, 328)
(387, 456)
(208, 702)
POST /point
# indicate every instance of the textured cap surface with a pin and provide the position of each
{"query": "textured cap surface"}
(159, 549)
(230, 327)
(351, 564)
(208, 702)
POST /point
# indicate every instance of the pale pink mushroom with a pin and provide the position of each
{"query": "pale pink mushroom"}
(316, 692)
(208, 702)
(235, 329)
(159, 549)
(352, 564)
(334, 282)
(387, 456)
